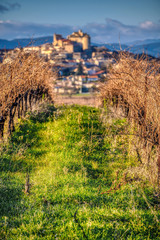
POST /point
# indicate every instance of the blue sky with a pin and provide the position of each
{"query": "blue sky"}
(104, 20)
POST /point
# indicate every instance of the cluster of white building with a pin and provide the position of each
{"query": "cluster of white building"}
(68, 54)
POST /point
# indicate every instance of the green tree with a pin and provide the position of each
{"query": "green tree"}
(80, 69)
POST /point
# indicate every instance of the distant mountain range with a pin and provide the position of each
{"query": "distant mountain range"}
(6, 44)
(149, 46)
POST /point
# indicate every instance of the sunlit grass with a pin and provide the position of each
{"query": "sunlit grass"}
(72, 162)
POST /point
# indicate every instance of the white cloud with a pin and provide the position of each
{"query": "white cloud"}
(107, 32)
(10, 30)
(113, 29)
(147, 24)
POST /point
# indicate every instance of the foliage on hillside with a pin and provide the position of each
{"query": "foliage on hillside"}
(80, 177)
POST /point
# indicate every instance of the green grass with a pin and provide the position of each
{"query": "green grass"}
(72, 161)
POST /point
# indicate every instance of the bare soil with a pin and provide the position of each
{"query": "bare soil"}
(88, 100)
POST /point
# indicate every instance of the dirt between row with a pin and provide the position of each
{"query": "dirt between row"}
(88, 100)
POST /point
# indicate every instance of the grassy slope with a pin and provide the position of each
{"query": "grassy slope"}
(72, 160)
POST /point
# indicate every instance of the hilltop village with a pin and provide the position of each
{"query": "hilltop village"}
(80, 66)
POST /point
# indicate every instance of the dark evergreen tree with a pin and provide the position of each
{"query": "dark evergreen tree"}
(80, 69)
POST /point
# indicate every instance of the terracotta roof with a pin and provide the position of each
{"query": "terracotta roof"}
(89, 76)
(83, 76)
(92, 76)
(100, 72)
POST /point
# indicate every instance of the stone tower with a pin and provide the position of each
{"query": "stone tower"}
(81, 38)
(86, 42)
(56, 37)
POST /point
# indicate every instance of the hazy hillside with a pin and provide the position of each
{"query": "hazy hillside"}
(143, 42)
(112, 46)
(150, 49)
(149, 46)
(5, 44)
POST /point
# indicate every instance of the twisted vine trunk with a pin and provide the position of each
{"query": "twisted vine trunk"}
(134, 83)
(23, 82)
(2, 121)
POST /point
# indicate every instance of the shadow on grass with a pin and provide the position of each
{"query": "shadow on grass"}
(10, 195)
(26, 136)
(43, 114)
(13, 158)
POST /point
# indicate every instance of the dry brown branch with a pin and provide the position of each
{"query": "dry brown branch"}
(24, 80)
(134, 86)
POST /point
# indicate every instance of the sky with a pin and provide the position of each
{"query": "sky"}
(107, 21)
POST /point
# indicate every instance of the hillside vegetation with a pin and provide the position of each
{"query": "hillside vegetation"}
(68, 173)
